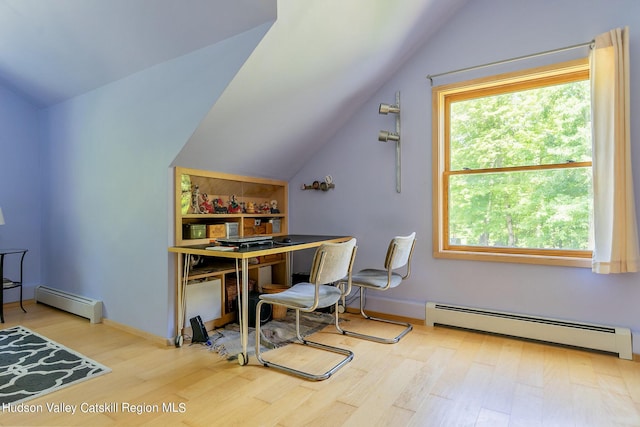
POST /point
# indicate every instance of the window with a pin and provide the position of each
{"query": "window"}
(512, 167)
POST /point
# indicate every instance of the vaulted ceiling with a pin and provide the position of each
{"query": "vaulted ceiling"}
(318, 64)
(53, 50)
(314, 68)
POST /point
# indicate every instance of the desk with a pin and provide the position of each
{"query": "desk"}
(14, 284)
(298, 242)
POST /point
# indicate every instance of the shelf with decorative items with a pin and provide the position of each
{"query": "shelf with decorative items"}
(212, 205)
(325, 185)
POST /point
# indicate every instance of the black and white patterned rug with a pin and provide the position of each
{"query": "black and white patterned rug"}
(32, 365)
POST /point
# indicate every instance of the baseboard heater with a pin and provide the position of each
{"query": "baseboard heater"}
(75, 304)
(589, 336)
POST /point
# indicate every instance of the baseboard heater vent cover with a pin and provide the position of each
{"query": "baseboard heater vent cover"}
(76, 304)
(585, 335)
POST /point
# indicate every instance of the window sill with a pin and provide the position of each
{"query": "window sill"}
(514, 258)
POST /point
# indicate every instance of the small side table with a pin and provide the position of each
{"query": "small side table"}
(11, 283)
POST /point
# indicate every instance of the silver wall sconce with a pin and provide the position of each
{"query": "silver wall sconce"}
(386, 136)
(386, 109)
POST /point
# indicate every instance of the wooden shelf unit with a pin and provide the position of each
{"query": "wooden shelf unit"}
(222, 186)
(217, 185)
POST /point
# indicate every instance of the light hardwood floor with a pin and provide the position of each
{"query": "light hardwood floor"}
(433, 377)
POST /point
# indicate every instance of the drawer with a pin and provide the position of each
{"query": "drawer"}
(194, 231)
(253, 226)
(231, 229)
(216, 230)
(251, 222)
(251, 231)
(270, 258)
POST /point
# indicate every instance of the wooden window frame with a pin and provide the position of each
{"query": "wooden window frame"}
(442, 96)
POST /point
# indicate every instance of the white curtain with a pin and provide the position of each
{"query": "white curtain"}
(615, 229)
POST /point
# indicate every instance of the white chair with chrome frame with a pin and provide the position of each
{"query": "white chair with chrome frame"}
(332, 262)
(399, 255)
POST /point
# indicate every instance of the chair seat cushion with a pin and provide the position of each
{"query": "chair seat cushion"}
(376, 279)
(302, 295)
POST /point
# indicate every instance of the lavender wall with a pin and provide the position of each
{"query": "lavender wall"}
(108, 189)
(20, 187)
(366, 205)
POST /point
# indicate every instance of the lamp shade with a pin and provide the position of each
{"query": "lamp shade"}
(1, 217)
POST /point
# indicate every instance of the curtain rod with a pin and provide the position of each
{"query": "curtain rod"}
(505, 61)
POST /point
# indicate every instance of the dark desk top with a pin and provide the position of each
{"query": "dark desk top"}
(300, 239)
(298, 242)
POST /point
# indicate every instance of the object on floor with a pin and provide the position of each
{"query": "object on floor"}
(275, 333)
(72, 303)
(32, 365)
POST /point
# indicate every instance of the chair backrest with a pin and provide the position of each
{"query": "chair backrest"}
(399, 252)
(332, 262)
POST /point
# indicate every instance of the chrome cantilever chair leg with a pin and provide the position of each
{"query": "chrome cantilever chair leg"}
(407, 326)
(301, 340)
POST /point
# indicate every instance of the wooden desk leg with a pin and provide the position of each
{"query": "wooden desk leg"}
(243, 358)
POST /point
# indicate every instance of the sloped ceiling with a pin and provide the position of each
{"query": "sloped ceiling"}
(53, 50)
(317, 65)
